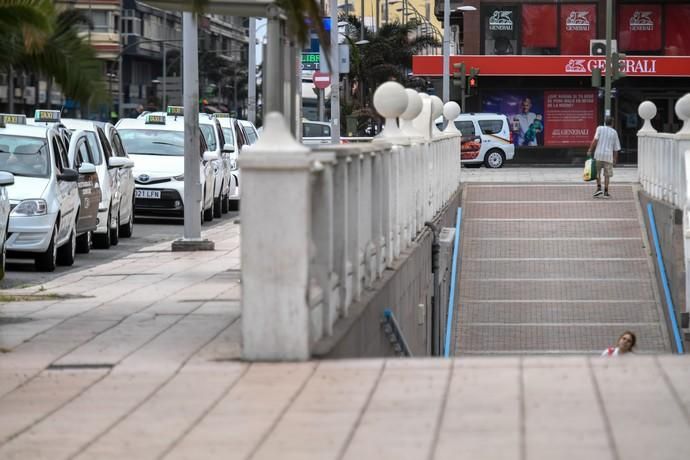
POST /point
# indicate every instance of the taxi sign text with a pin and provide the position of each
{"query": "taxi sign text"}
(221, 115)
(175, 110)
(155, 119)
(47, 116)
(13, 119)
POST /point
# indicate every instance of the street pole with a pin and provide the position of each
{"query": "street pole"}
(165, 77)
(251, 89)
(446, 51)
(361, 27)
(120, 98)
(10, 89)
(192, 181)
(609, 67)
(335, 74)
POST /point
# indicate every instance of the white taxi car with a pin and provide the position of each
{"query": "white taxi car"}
(156, 144)
(486, 139)
(213, 133)
(44, 200)
(235, 139)
(108, 166)
(6, 179)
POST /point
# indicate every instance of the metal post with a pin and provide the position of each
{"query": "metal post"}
(335, 74)
(251, 72)
(609, 67)
(120, 57)
(446, 52)
(272, 62)
(361, 26)
(10, 90)
(322, 108)
(192, 182)
(378, 15)
(165, 77)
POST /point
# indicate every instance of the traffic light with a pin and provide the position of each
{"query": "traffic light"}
(616, 60)
(459, 78)
(596, 78)
(474, 79)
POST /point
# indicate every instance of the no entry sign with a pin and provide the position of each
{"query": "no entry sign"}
(322, 80)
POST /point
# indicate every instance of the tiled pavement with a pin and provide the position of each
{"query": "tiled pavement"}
(139, 361)
(546, 268)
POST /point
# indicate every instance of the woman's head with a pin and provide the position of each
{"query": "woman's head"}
(626, 342)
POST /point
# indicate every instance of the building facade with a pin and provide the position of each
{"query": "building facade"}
(536, 58)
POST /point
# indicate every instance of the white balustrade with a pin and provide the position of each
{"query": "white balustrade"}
(320, 226)
(663, 160)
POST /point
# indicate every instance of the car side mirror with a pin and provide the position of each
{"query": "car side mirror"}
(69, 175)
(6, 178)
(209, 156)
(117, 162)
(228, 148)
(87, 168)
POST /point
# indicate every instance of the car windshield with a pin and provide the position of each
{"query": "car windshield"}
(24, 156)
(210, 136)
(229, 136)
(153, 142)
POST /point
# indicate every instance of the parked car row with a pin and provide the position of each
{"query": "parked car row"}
(67, 185)
(155, 140)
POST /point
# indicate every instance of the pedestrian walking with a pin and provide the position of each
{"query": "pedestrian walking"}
(605, 147)
(625, 344)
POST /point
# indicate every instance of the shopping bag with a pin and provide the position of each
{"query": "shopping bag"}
(590, 172)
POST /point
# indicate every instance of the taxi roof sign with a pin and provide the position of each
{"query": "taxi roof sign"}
(153, 119)
(175, 110)
(47, 116)
(12, 119)
(221, 115)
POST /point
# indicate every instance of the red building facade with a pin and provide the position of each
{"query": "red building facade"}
(536, 58)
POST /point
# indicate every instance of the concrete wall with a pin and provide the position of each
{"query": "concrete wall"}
(402, 289)
(669, 222)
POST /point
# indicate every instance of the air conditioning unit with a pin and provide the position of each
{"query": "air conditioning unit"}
(598, 47)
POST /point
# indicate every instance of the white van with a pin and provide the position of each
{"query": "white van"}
(486, 138)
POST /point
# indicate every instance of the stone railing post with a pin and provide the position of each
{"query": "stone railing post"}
(275, 264)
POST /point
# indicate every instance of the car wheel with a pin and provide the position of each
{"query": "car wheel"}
(127, 230)
(47, 261)
(84, 243)
(3, 256)
(115, 232)
(208, 213)
(217, 207)
(102, 240)
(494, 159)
(67, 252)
(225, 204)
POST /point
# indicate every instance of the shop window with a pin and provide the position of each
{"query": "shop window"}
(500, 30)
(639, 27)
(539, 29)
(577, 27)
(677, 30)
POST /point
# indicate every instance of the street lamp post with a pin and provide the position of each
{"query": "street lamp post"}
(335, 74)
(446, 46)
(609, 67)
(251, 90)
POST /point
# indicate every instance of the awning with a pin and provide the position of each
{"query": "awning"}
(571, 66)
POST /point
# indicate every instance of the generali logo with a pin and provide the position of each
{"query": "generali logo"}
(630, 66)
(577, 21)
(641, 21)
(575, 66)
(501, 20)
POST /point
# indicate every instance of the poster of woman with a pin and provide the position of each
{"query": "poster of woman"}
(525, 112)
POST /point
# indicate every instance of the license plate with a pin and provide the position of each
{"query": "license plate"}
(150, 194)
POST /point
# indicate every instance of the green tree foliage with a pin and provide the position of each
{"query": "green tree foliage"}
(37, 37)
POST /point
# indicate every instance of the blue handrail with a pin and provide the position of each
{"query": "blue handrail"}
(453, 279)
(664, 280)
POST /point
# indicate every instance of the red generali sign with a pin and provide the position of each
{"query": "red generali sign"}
(570, 117)
(648, 66)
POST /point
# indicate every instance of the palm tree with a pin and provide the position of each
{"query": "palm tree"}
(39, 38)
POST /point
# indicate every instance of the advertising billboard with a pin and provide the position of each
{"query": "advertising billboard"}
(525, 112)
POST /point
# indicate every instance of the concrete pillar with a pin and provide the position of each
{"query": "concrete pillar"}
(275, 263)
